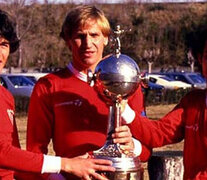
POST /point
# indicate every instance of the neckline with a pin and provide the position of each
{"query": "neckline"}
(80, 75)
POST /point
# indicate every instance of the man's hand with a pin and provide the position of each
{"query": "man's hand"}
(86, 167)
(123, 136)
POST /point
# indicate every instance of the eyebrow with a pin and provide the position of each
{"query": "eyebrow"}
(4, 42)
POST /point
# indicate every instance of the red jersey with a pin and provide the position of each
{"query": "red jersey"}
(69, 111)
(188, 121)
(11, 157)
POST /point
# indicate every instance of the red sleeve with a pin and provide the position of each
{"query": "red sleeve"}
(156, 133)
(38, 137)
(145, 154)
(11, 156)
(14, 158)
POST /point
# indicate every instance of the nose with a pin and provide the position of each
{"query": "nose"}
(88, 41)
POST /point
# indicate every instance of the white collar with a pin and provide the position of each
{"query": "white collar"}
(80, 75)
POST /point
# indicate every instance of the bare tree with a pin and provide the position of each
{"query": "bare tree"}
(15, 7)
(191, 60)
(150, 55)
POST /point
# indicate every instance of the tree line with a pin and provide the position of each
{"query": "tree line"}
(155, 32)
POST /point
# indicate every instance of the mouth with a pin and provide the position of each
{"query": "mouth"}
(88, 53)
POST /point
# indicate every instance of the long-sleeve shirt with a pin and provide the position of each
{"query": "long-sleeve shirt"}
(66, 109)
(11, 157)
(188, 121)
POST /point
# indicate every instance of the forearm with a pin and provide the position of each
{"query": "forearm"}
(155, 133)
(16, 159)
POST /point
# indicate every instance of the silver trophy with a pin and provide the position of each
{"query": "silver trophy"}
(116, 78)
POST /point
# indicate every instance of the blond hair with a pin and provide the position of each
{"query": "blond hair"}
(78, 16)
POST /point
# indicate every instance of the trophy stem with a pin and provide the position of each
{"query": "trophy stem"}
(116, 108)
(114, 119)
(111, 149)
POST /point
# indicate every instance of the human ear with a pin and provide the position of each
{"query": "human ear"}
(106, 39)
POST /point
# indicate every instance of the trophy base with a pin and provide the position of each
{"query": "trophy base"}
(138, 175)
(127, 168)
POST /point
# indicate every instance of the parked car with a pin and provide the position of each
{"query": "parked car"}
(154, 86)
(33, 76)
(167, 82)
(195, 79)
(18, 85)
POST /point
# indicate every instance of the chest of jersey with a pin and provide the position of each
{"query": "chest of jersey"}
(80, 118)
(6, 111)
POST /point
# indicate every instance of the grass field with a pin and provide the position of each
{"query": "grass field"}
(153, 112)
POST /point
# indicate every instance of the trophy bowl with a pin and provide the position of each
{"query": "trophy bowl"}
(117, 77)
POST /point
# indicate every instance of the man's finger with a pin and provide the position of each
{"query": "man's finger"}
(104, 168)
